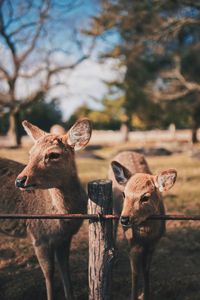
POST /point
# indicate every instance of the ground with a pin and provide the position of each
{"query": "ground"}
(175, 271)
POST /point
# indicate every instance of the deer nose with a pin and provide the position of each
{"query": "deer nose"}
(20, 182)
(125, 220)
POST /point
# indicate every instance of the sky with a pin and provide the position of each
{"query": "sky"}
(86, 85)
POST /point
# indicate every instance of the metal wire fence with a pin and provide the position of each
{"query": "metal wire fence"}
(97, 217)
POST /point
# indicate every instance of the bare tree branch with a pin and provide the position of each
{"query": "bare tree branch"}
(5, 74)
(159, 96)
(23, 13)
(21, 28)
(42, 17)
(67, 67)
(32, 74)
(7, 38)
(172, 26)
(176, 73)
(180, 86)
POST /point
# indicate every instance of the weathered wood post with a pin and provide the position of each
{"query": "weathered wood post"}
(101, 250)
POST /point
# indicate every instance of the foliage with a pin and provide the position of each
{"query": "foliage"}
(158, 44)
(109, 117)
(44, 114)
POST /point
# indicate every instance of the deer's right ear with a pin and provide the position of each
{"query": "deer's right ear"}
(121, 173)
(33, 131)
(79, 134)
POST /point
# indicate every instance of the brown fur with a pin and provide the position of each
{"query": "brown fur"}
(131, 170)
(53, 187)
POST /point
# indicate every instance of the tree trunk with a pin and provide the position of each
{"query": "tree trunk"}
(124, 130)
(13, 131)
(196, 119)
(194, 135)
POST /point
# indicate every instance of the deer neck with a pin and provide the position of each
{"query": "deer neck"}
(65, 198)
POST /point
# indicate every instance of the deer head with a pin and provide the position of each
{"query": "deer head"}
(141, 192)
(51, 159)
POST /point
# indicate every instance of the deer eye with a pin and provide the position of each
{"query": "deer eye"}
(145, 198)
(53, 155)
(123, 194)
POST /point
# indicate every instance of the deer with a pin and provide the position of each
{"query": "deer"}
(57, 129)
(137, 196)
(48, 184)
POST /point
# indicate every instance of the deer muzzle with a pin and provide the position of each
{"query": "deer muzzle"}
(125, 220)
(21, 182)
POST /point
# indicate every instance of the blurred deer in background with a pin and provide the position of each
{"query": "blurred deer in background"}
(57, 129)
(49, 184)
(136, 194)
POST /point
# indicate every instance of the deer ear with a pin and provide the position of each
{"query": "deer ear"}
(33, 131)
(79, 134)
(165, 180)
(121, 173)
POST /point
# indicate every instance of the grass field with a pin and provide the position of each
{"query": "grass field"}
(175, 272)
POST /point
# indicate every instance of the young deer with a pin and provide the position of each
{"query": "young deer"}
(49, 184)
(136, 197)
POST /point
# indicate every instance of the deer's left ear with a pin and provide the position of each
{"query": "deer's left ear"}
(165, 180)
(79, 135)
(121, 173)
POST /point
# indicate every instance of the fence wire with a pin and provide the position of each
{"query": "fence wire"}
(97, 217)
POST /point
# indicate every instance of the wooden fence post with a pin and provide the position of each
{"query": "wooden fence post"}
(101, 250)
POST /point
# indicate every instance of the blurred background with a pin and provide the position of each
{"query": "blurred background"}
(132, 68)
(122, 64)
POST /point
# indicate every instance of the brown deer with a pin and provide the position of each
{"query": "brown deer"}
(137, 196)
(57, 129)
(49, 184)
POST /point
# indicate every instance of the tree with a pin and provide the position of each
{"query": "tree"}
(181, 78)
(132, 22)
(155, 40)
(34, 53)
(110, 116)
(35, 114)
